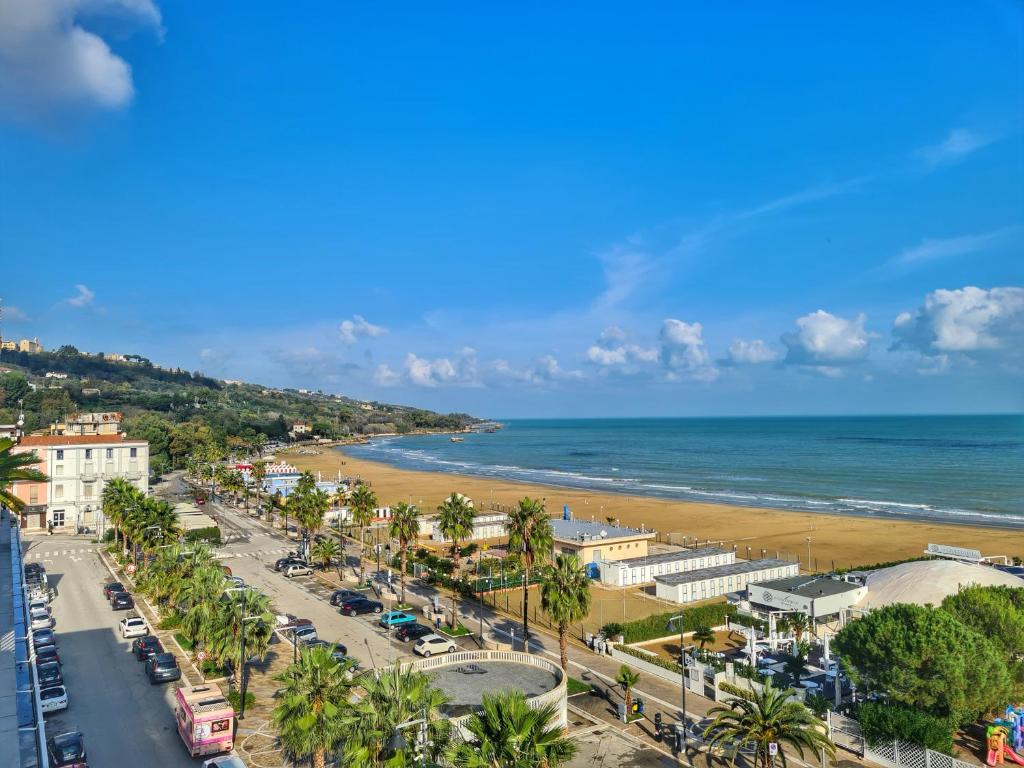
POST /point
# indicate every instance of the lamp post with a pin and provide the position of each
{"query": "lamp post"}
(397, 742)
(808, 554)
(682, 663)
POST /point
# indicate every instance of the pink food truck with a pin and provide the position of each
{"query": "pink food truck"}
(206, 721)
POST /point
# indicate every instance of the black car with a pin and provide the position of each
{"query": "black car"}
(67, 749)
(49, 674)
(408, 632)
(111, 588)
(121, 601)
(339, 596)
(361, 605)
(144, 647)
(43, 637)
(284, 562)
(46, 654)
(34, 570)
(162, 668)
(338, 650)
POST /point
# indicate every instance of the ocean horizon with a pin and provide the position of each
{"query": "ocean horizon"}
(962, 469)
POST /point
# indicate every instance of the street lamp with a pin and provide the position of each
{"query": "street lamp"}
(808, 554)
(398, 742)
(682, 663)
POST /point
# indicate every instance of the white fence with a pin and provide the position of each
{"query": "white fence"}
(846, 733)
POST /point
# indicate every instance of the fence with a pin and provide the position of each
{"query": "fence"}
(845, 732)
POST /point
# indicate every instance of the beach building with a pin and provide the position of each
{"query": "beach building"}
(78, 468)
(927, 582)
(824, 599)
(486, 525)
(719, 580)
(643, 570)
(595, 542)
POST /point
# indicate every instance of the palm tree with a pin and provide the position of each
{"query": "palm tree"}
(200, 602)
(507, 733)
(628, 679)
(314, 507)
(565, 598)
(258, 473)
(404, 526)
(395, 695)
(765, 718)
(326, 550)
(228, 627)
(530, 535)
(314, 712)
(117, 498)
(703, 635)
(455, 521)
(363, 501)
(16, 467)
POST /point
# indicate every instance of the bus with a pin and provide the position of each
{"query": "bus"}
(206, 721)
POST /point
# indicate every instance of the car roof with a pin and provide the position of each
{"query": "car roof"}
(164, 657)
(433, 637)
(70, 737)
(53, 690)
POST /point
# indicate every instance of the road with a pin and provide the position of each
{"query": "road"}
(126, 721)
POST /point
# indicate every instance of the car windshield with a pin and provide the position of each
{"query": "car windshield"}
(52, 693)
(68, 747)
(165, 660)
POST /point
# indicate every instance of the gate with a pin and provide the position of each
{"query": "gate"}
(845, 732)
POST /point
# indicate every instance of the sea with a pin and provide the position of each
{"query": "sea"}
(951, 469)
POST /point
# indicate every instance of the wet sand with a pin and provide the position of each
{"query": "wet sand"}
(836, 540)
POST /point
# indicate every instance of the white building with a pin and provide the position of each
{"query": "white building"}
(705, 583)
(643, 570)
(823, 599)
(486, 525)
(78, 467)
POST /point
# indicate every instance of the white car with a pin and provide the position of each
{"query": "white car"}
(305, 633)
(224, 761)
(297, 570)
(133, 626)
(41, 619)
(39, 603)
(429, 644)
(54, 698)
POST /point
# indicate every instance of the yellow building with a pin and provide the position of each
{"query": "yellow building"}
(593, 542)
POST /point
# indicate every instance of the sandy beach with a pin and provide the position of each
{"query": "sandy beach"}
(836, 540)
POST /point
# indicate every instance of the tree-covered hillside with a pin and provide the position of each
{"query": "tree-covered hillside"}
(177, 410)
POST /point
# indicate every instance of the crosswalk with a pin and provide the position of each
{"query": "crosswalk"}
(35, 554)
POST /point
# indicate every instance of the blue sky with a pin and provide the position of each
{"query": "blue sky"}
(588, 210)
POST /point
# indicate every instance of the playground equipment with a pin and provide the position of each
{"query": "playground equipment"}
(1013, 721)
(998, 749)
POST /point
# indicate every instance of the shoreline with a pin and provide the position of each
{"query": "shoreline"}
(837, 540)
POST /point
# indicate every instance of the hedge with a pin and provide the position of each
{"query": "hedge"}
(211, 535)
(671, 666)
(655, 626)
(885, 722)
(735, 690)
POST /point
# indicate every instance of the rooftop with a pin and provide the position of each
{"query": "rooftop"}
(732, 569)
(809, 586)
(51, 440)
(671, 557)
(466, 684)
(583, 530)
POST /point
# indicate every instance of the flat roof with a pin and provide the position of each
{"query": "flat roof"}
(808, 586)
(59, 440)
(671, 557)
(466, 684)
(571, 530)
(732, 569)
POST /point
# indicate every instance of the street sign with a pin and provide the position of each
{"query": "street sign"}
(773, 748)
(201, 655)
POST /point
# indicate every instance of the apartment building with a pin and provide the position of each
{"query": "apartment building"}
(103, 423)
(78, 467)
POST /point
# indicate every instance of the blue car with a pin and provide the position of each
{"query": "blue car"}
(396, 618)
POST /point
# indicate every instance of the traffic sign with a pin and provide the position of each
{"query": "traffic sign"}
(773, 748)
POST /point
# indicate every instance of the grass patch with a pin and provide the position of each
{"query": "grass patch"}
(214, 669)
(459, 631)
(402, 607)
(171, 621)
(235, 699)
(184, 642)
(575, 687)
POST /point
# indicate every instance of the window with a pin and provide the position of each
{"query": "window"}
(58, 491)
(133, 452)
(60, 454)
(33, 494)
(87, 491)
(219, 726)
(58, 518)
(110, 453)
(88, 453)
(59, 469)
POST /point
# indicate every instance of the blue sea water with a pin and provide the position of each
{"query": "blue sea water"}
(957, 469)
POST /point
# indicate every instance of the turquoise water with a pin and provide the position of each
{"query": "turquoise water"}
(966, 469)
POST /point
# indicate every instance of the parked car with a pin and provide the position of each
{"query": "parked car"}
(303, 634)
(121, 601)
(286, 621)
(41, 619)
(133, 626)
(396, 618)
(162, 668)
(429, 644)
(111, 588)
(47, 653)
(339, 596)
(236, 581)
(290, 560)
(297, 570)
(408, 632)
(40, 603)
(49, 674)
(361, 605)
(54, 698)
(67, 750)
(338, 650)
(36, 568)
(146, 646)
(224, 761)
(43, 637)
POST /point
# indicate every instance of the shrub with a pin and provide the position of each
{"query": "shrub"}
(235, 699)
(170, 621)
(108, 535)
(735, 690)
(211, 535)
(612, 629)
(885, 722)
(671, 666)
(655, 626)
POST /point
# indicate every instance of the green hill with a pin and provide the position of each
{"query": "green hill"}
(176, 410)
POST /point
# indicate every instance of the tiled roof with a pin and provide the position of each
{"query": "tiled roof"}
(57, 440)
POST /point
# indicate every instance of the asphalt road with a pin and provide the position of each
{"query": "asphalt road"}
(125, 720)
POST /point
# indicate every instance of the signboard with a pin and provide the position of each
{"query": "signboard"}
(954, 553)
(773, 748)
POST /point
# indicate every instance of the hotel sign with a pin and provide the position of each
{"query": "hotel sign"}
(957, 553)
(785, 601)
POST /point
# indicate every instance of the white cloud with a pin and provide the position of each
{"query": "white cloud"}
(930, 249)
(825, 341)
(546, 370)
(683, 352)
(960, 143)
(752, 352)
(627, 269)
(612, 351)
(385, 376)
(12, 314)
(49, 60)
(442, 371)
(83, 297)
(969, 321)
(358, 327)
